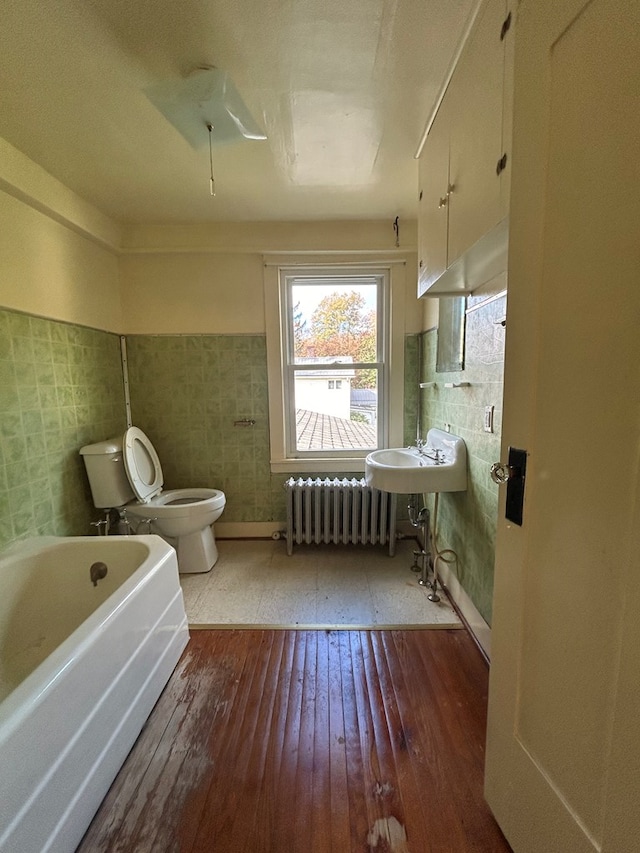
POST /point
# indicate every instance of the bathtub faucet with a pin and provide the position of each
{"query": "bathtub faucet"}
(97, 571)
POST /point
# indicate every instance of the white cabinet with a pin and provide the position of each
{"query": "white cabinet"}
(464, 165)
(433, 202)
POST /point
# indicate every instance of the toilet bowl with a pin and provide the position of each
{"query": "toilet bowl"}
(183, 517)
(126, 474)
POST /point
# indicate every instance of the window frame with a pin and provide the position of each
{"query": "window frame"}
(392, 414)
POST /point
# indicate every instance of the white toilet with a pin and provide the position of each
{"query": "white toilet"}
(126, 473)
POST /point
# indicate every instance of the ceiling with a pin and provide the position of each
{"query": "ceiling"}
(342, 89)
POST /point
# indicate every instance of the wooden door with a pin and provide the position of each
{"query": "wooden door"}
(563, 747)
(508, 37)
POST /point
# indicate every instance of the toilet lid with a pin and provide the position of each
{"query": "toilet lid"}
(141, 464)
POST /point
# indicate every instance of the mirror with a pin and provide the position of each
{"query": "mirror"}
(451, 324)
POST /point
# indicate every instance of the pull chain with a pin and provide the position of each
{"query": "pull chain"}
(212, 183)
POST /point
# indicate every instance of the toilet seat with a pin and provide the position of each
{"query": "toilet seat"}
(142, 465)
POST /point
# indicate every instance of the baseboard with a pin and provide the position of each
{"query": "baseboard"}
(275, 529)
(469, 612)
(249, 529)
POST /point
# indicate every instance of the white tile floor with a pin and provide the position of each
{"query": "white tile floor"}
(255, 584)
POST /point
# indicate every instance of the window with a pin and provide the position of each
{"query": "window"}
(334, 335)
(329, 356)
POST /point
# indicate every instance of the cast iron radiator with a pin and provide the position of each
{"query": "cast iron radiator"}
(339, 511)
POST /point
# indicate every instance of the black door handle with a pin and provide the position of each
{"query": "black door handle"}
(513, 474)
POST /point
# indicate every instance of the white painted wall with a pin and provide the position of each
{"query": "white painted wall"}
(208, 279)
(62, 258)
(185, 293)
(58, 255)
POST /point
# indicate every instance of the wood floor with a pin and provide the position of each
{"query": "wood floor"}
(309, 742)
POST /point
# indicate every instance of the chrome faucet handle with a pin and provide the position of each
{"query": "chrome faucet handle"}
(99, 525)
(148, 522)
(420, 443)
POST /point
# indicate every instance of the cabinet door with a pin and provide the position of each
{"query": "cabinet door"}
(476, 132)
(433, 205)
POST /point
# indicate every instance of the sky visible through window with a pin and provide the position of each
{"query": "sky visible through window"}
(309, 296)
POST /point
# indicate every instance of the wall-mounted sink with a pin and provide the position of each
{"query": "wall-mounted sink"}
(440, 465)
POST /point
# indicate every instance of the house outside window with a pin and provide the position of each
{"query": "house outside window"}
(329, 377)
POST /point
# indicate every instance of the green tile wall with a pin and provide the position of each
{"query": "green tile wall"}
(467, 520)
(60, 388)
(411, 390)
(411, 405)
(187, 391)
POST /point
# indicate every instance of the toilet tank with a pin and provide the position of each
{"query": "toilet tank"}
(106, 472)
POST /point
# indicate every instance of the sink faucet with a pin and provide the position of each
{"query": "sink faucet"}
(433, 453)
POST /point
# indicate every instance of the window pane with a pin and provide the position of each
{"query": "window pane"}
(340, 413)
(335, 320)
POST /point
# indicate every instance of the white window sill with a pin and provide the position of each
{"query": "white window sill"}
(344, 464)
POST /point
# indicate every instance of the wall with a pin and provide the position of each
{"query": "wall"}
(467, 520)
(188, 392)
(60, 388)
(193, 302)
(192, 293)
(60, 382)
(58, 255)
(411, 390)
(209, 279)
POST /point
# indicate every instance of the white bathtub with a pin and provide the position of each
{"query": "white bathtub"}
(81, 667)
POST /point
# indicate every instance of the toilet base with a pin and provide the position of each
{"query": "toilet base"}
(197, 552)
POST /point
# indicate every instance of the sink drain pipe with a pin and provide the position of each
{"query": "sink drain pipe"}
(421, 518)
